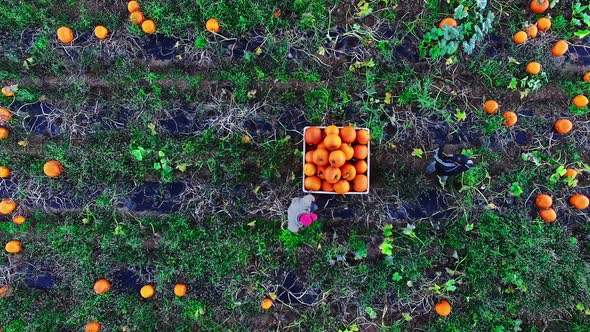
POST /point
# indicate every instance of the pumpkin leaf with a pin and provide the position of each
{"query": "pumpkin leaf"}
(417, 152)
(372, 314)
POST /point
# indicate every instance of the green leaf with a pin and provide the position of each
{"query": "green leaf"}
(372, 314)
(387, 230)
(397, 277)
(461, 116)
(137, 154)
(417, 152)
(515, 189)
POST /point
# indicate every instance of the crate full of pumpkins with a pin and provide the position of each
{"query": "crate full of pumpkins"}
(336, 160)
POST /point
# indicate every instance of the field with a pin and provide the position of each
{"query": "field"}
(181, 151)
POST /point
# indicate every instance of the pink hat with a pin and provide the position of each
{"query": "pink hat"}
(306, 219)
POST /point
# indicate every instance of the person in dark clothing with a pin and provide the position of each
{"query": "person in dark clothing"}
(446, 165)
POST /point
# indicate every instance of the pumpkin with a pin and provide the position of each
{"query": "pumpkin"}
(533, 68)
(148, 26)
(571, 173)
(543, 201)
(102, 286)
(313, 135)
(333, 174)
(342, 187)
(580, 101)
(19, 220)
(586, 77)
(321, 172)
(348, 134)
(65, 35)
(92, 327)
(5, 115)
(327, 186)
(332, 142)
(361, 151)
(548, 215)
(4, 172)
(491, 107)
(563, 126)
(53, 168)
(133, 6)
(320, 157)
(348, 150)
(543, 24)
(332, 130)
(559, 48)
(510, 118)
(4, 291)
(8, 91)
(539, 6)
(266, 303)
(212, 25)
(309, 169)
(136, 18)
(363, 136)
(180, 290)
(7, 206)
(532, 31)
(147, 291)
(360, 183)
(309, 157)
(361, 167)
(337, 158)
(101, 32)
(4, 133)
(579, 201)
(348, 172)
(313, 183)
(519, 37)
(13, 247)
(448, 21)
(443, 308)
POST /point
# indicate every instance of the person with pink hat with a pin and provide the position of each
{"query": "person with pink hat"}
(300, 213)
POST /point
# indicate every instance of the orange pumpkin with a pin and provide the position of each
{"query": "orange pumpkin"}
(443, 308)
(4, 290)
(579, 201)
(491, 107)
(586, 77)
(533, 68)
(333, 174)
(136, 18)
(309, 169)
(559, 48)
(571, 173)
(4, 133)
(520, 37)
(548, 215)
(320, 172)
(337, 158)
(19, 220)
(543, 201)
(363, 136)
(65, 35)
(348, 134)
(532, 31)
(101, 32)
(92, 327)
(4, 172)
(332, 142)
(212, 25)
(313, 135)
(332, 130)
(266, 304)
(580, 101)
(510, 118)
(148, 26)
(8, 91)
(180, 290)
(327, 186)
(7, 206)
(342, 187)
(543, 24)
(348, 172)
(539, 6)
(320, 157)
(14, 247)
(5, 115)
(147, 291)
(563, 126)
(102, 286)
(360, 183)
(361, 151)
(348, 150)
(53, 168)
(133, 6)
(313, 183)
(361, 167)
(448, 21)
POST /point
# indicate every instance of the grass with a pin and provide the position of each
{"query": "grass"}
(160, 182)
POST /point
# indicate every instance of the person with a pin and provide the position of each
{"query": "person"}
(445, 165)
(300, 213)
